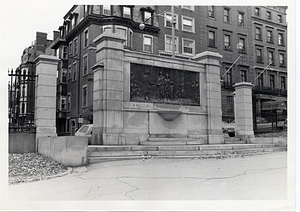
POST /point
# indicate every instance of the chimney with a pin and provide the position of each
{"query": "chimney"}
(41, 42)
(55, 34)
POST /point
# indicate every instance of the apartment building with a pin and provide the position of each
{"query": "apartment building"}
(231, 31)
(21, 87)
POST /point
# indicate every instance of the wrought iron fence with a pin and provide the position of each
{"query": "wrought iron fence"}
(21, 88)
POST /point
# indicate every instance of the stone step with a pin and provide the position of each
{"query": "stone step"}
(234, 141)
(92, 160)
(112, 156)
(170, 143)
(116, 153)
(172, 139)
(104, 148)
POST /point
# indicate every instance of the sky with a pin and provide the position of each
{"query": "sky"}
(22, 19)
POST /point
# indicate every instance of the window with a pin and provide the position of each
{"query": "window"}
(188, 46)
(126, 12)
(148, 43)
(64, 52)
(64, 75)
(260, 81)
(70, 48)
(147, 17)
(211, 11)
(257, 33)
(259, 55)
(74, 20)
(243, 75)
(84, 96)
(283, 82)
(75, 43)
(228, 77)
(189, 7)
(241, 45)
(241, 19)
(271, 57)
(168, 20)
(257, 11)
(69, 102)
(69, 72)
(86, 38)
(121, 31)
(74, 77)
(107, 29)
(188, 24)
(279, 18)
(168, 43)
(280, 39)
(281, 59)
(269, 36)
(272, 81)
(86, 9)
(269, 15)
(85, 65)
(211, 39)
(227, 42)
(226, 15)
(63, 103)
(106, 10)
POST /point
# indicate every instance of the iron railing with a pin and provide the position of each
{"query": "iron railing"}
(21, 88)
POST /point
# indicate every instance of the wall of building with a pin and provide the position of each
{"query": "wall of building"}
(202, 23)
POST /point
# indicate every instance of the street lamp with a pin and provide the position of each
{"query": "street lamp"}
(173, 22)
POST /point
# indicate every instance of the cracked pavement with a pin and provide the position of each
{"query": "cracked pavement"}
(257, 177)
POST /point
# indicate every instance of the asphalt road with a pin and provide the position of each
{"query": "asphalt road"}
(259, 177)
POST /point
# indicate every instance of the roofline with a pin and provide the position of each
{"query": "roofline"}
(72, 8)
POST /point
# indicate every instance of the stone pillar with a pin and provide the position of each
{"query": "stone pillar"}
(243, 110)
(213, 95)
(108, 90)
(45, 96)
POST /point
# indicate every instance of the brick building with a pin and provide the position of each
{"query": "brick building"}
(247, 37)
(22, 83)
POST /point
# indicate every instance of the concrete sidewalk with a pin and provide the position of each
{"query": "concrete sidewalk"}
(258, 177)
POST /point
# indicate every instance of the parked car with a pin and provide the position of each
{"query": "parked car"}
(263, 123)
(85, 130)
(282, 124)
(285, 123)
(229, 128)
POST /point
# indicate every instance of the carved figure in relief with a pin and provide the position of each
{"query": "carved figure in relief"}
(146, 85)
(195, 86)
(172, 90)
(134, 87)
(161, 86)
(167, 87)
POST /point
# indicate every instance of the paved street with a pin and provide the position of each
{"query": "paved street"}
(260, 177)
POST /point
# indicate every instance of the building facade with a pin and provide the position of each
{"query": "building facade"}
(247, 37)
(22, 83)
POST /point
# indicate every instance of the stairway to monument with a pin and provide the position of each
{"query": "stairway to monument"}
(176, 148)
